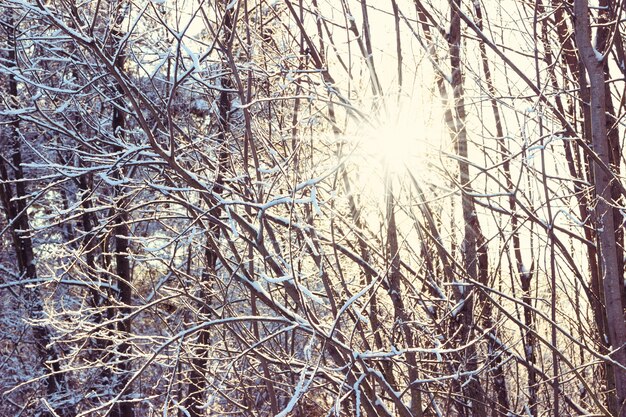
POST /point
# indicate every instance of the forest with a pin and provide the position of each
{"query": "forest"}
(373, 208)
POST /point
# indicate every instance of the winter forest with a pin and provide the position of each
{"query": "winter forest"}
(371, 208)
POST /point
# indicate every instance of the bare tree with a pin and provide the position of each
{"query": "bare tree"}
(204, 215)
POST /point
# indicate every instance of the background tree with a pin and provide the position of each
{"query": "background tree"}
(306, 207)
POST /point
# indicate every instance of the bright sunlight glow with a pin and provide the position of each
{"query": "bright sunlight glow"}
(393, 146)
(396, 146)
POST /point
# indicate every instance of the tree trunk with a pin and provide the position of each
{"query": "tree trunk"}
(121, 232)
(502, 405)
(609, 264)
(402, 317)
(15, 207)
(473, 241)
(197, 379)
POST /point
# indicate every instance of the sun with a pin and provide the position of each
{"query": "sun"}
(396, 146)
(393, 146)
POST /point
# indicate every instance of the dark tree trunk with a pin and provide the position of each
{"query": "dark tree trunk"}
(121, 232)
(401, 315)
(197, 379)
(14, 198)
(473, 240)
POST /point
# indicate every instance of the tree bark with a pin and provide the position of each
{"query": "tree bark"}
(473, 240)
(402, 317)
(609, 264)
(121, 230)
(197, 379)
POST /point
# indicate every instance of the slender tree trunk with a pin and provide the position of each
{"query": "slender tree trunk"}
(15, 207)
(121, 231)
(473, 241)
(197, 380)
(595, 293)
(402, 318)
(609, 265)
(605, 34)
(495, 357)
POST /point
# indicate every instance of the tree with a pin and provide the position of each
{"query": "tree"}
(612, 271)
(306, 207)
